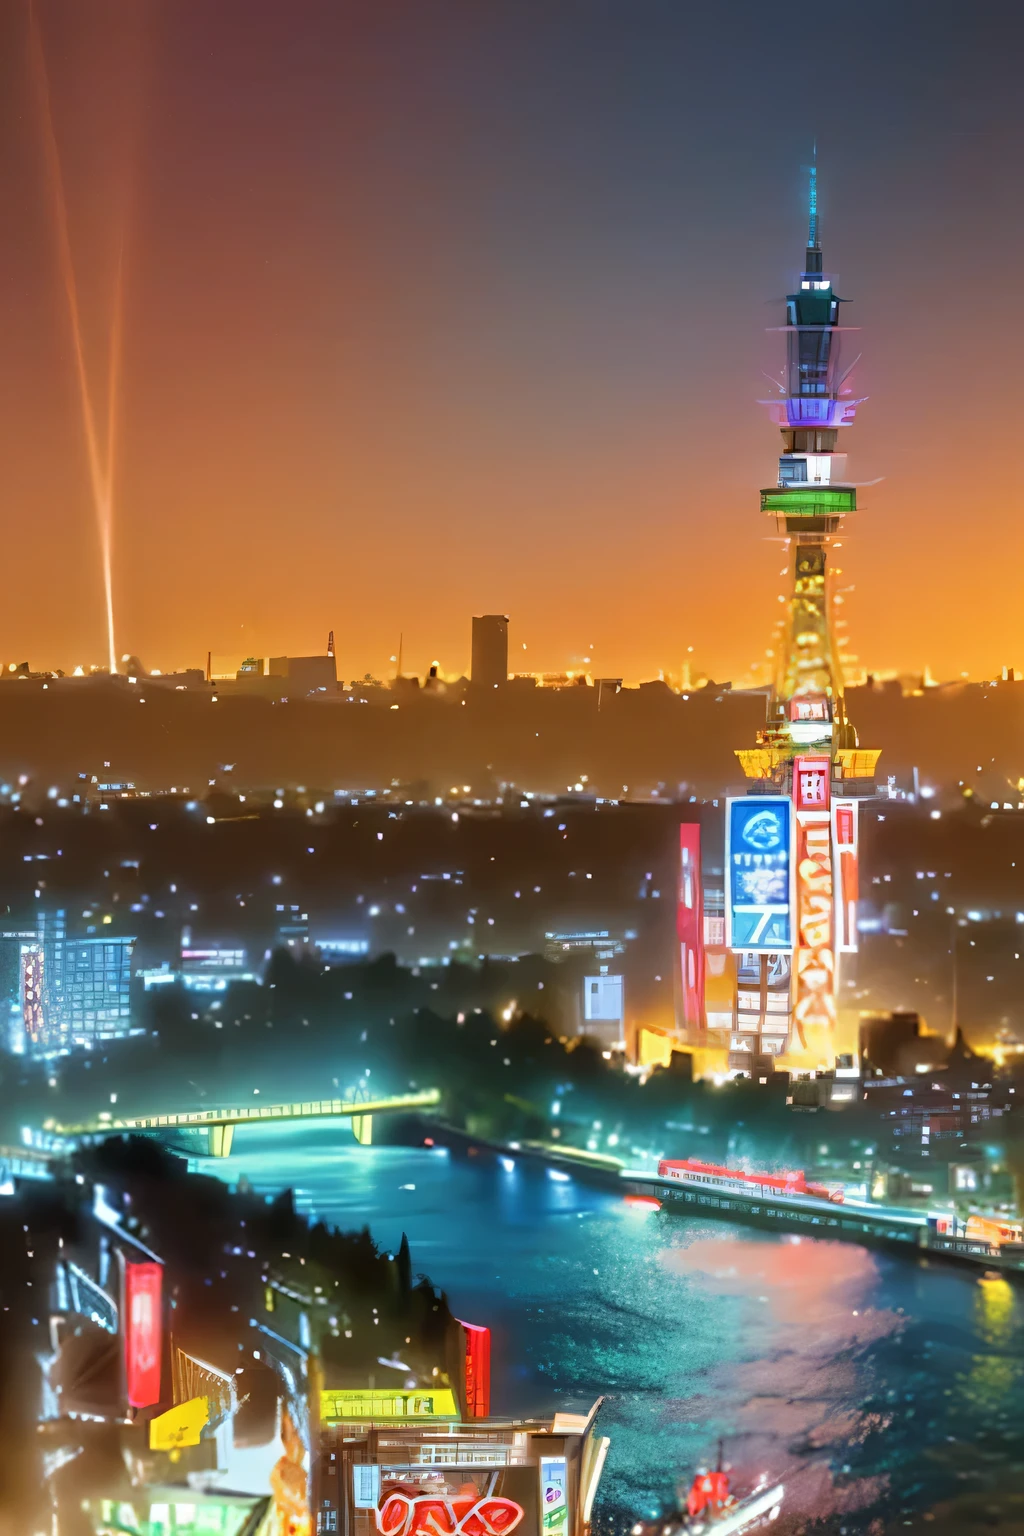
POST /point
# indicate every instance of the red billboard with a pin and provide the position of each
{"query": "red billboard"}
(811, 776)
(143, 1345)
(690, 926)
(478, 1371)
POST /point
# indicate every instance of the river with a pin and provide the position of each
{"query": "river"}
(876, 1388)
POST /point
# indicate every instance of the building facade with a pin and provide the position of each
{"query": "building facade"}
(75, 991)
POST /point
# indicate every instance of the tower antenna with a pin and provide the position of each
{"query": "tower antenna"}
(812, 201)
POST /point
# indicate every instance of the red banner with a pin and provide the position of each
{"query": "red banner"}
(690, 926)
(143, 1285)
(478, 1371)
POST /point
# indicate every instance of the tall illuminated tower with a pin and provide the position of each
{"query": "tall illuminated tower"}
(808, 748)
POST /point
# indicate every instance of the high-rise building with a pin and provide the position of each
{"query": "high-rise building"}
(74, 991)
(808, 749)
(489, 666)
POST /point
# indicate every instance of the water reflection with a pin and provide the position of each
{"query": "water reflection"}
(876, 1387)
(794, 1401)
(995, 1372)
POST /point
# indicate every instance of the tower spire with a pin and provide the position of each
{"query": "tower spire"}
(812, 258)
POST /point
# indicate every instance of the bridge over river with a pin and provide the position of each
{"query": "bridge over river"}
(219, 1124)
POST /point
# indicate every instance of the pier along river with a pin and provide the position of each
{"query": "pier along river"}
(876, 1387)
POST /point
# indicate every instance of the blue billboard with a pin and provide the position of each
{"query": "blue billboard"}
(758, 874)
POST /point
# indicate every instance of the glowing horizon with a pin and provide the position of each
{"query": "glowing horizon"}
(396, 349)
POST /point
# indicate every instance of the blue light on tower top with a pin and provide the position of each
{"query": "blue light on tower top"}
(817, 396)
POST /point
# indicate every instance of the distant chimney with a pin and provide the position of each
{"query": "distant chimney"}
(330, 643)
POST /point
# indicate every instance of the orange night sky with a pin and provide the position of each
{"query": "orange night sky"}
(438, 308)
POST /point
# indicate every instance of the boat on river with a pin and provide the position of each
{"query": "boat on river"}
(713, 1509)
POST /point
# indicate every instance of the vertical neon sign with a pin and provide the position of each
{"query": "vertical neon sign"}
(690, 926)
(844, 838)
(143, 1332)
(478, 1371)
(815, 964)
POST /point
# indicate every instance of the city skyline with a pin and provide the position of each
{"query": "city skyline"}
(467, 362)
(503, 776)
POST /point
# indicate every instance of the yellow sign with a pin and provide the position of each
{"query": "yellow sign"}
(655, 1048)
(181, 1425)
(363, 1403)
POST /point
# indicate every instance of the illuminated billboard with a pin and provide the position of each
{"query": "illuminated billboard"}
(811, 783)
(143, 1332)
(554, 1496)
(844, 842)
(690, 927)
(179, 1426)
(362, 1404)
(815, 956)
(759, 874)
(478, 1371)
(434, 1514)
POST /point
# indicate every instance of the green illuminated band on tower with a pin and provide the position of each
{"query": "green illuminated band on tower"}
(809, 502)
